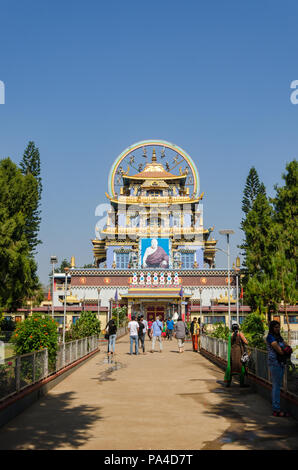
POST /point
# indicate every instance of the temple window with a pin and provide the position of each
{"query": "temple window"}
(154, 221)
(154, 193)
(214, 319)
(187, 260)
(122, 260)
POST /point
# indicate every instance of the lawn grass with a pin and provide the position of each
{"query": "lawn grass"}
(9, 351)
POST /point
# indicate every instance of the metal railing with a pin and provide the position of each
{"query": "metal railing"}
(19, 372)
(258, 364)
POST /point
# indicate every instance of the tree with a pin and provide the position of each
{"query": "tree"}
(260, 235)
(263, 294)
(286, 209)
(119, 314)
(253, 329)
(18, 269)
(252, 188)
(270, 229)
(284, 271)
(30, 165)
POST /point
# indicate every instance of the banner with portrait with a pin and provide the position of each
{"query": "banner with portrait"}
(155, 253)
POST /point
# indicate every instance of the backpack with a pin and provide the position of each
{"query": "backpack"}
(141, 328)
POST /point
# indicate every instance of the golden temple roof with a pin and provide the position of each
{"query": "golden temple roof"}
(71, 299)
(225, 299)
(154, 170)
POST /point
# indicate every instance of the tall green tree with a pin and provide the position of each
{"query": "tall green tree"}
(253, 187)
(260, 235)
(286, 210)
(270, 230)
(283, 271)
(18, 275)
(30, 165)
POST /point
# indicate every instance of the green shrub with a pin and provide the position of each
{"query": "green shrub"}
(220, 331)
(87, 325)
(253, 329)
(36, 332)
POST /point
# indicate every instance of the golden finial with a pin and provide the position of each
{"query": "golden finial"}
(73, 262)
(154, 155)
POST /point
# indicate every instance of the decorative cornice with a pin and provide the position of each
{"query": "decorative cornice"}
(129, 272)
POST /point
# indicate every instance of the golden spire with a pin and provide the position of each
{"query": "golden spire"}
(72, 262)
(154, 155)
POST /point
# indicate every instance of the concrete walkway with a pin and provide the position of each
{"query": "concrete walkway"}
(154, 401)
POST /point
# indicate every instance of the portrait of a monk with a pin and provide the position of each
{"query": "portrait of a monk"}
(155, 256)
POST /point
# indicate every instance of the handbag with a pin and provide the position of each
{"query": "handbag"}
(244, 357)
(106, 333)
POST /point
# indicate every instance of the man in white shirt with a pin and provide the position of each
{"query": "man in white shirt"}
(133, 328)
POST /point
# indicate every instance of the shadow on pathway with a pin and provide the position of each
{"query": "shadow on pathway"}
(52, 423)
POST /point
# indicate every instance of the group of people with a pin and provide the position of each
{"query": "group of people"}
(138, 327)
(158, 329)
(237, 358)
(278, 354)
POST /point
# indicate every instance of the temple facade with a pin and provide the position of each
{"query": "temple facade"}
(153, 253)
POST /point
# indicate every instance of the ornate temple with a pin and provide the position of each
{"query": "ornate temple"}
(153, 253)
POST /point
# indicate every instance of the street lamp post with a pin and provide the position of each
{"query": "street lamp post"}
(65, 294)
(228, 233)
(201, 289)
(237, 285)
(98, 292)
(54, 260)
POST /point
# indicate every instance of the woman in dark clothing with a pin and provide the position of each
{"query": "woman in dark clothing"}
(236, 349)
(277, 356)
(111, 330)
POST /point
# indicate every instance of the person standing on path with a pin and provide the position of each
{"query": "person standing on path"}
(111, 330)
(133, 328)
(276, 362)
(149, 326)
(236, 349)
(142, 331)
(180, 333)
(156, 333)
(195, 332)
(170, 328)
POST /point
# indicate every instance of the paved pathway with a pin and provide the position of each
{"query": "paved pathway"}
(153, 401)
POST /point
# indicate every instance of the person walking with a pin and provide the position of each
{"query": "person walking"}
(180, 333)
(142, 331)
(170, 328)
(133, 328)
(195, 332)
(164, 330)
(149, 326)
(236, 349)
(278, 352)
(156, 333)
(111, 331)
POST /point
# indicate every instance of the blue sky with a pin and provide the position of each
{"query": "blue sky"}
(85, 80)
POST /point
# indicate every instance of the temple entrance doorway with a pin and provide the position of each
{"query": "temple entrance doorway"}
(153, 310)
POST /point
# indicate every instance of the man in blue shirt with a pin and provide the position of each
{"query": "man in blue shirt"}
(156, 333)
(170, 327)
